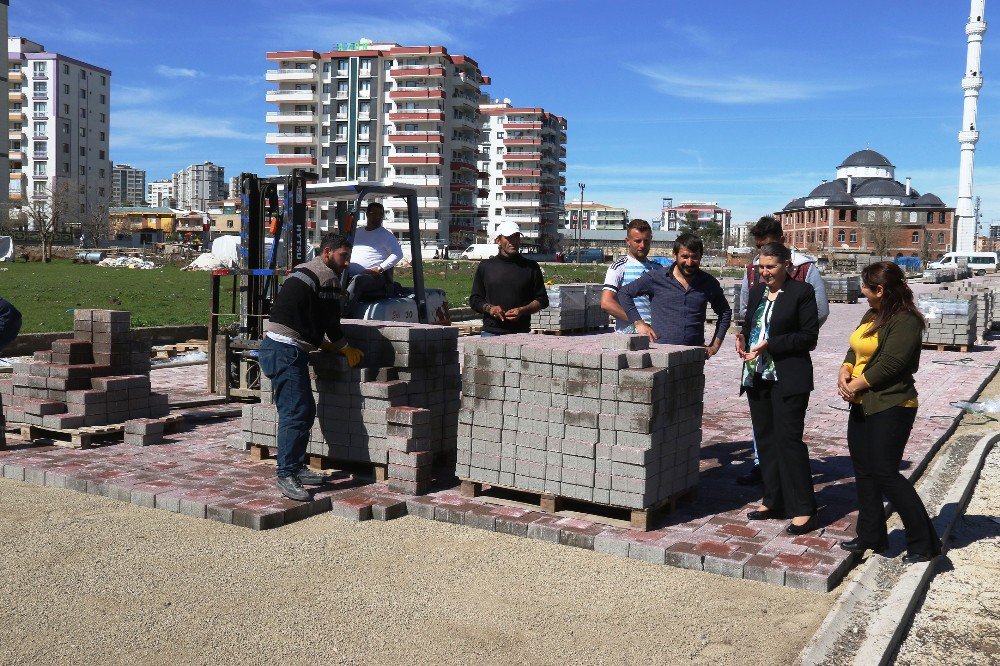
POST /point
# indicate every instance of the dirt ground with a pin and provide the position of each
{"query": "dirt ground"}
(90, 580)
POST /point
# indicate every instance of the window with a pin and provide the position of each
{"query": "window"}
(83, 74)
(65, 148)
(40, 88)
(499, 135)
(65, 69)
(498, 211)
(40, 148)
(104, 137)
(65, 88)
(842, 214)
(104, 80)
(83, 131)
(915, 238)
(83, 94)
(83, 151)
(83, 113)
(100, 191)
(940, 238)
(40, 109)
(101, 117)
(39, 188)
(41, 168)
(65, 128)
(65, 168)
(101, 172)
(65, 109)
(104, 99)
(40, 129)
(362, 173)
(39, 68)
(499, 181)
(841, 236)
(854, 236)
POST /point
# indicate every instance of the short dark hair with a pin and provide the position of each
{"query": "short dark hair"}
(334, 241)
(776, 250)
(767, 227)
(689, 242)
(376, 204)
(640, 225)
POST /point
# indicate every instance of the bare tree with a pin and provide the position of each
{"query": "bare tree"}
(880, 227)
(47, 214)
(95, 225)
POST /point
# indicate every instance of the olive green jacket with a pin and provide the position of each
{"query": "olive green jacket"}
(890, 370)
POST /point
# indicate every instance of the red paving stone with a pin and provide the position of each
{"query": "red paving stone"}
(194, 472)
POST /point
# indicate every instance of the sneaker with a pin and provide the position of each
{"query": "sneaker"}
(751, 478)
(292, 488)
(307, 477)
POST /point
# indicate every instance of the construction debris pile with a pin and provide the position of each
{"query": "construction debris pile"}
(950, 320)
(605, 419)
(842, 289)
(98, 377)
(127, 262)
(399, 409)
(572, 307)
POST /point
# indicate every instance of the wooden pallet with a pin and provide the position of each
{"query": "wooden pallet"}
(638, 519)
(171, 351)
(959, 348)
(564, 331)
(84, 438)
(262, 452)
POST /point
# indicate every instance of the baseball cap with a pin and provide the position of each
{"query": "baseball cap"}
(508, 228)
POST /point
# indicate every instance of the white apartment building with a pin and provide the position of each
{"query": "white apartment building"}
(373, 111)
(4, 122)
(522, 152)
(128, 185)
(198, 184)
(160, 194)
(59, 122)
(233, 191)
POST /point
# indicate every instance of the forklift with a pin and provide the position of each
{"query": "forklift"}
(275, 238)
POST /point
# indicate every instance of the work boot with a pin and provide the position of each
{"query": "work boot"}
(292, 488)
(751, 478)
(307, 477)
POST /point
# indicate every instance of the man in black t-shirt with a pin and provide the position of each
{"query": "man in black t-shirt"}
(508, 288)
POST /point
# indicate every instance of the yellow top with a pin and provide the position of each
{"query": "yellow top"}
(863, 348)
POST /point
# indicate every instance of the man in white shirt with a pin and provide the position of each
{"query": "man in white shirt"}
(376, 251)
(638, 238)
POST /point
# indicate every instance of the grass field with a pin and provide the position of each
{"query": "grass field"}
(47, 294)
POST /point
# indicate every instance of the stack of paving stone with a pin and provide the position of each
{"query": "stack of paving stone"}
(98, 377)
(595, 317)
(399, 408)
(567, 310)
(985, 308)
(732, 292)
(843, 289)
(606, 419)
(939, 275)
(950, 321)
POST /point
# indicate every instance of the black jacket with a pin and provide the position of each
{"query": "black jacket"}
(308, 305)
(510, 282)
(793, 334)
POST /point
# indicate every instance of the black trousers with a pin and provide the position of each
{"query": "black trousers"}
(876, 444)
(778, 423)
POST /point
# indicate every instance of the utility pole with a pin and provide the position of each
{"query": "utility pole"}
(579, 223)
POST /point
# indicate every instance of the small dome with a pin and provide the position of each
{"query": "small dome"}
(829, 188)
(841, 199)
(880, 187)
(930, 200)
(795, 203)
(866, 158)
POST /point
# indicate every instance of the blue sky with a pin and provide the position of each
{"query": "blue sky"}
(749, 104)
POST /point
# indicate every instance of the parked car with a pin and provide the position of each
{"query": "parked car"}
(480, 251)
(979, 262)
(585, 256)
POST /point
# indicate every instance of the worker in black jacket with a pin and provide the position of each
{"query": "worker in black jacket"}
(10, 326)
(306, 310)
(507, 289)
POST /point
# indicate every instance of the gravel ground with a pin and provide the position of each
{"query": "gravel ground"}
(87, 580)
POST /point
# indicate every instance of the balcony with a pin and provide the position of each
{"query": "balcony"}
(458, 165)
(417, 93)
(15, 76)
(16, 96)
(16, 116)
(416, 158)
(41, 156)
(522, 142)
(419, 181)
(417, 116)
(521, 172)
(307, 74)
(15, 154)
(290, 95)
(522, 126)
(290, 138)
(470, 141)
(289, 159)
(522, 203)
(522, 157)
(465, 99)
(415, 137)
(521, 188)
(300, 117)
(459, 186)
(411, 71)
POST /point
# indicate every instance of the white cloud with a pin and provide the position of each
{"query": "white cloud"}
(159, 130)
(177, 72)
(323, 31)
(724, 89)
(122, 95)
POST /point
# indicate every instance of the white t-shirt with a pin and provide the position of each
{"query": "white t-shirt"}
(620, 273)
(374, 248)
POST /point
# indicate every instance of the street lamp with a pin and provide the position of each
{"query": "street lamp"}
(579, 222)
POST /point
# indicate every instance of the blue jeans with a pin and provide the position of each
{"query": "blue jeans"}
(288, 369)
(487, 334)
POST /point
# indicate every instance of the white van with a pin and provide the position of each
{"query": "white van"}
(979, 262)
(480, 251)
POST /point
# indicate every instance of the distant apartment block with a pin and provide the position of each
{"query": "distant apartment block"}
(4, 122)
(199, 184)
(700, 213)
(128, 185)
(522, 153)
(59, 122)
(233, 189)
(160, 194)
(373, 111)
(595, 216)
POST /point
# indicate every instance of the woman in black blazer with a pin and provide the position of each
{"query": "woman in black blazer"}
(781, 328)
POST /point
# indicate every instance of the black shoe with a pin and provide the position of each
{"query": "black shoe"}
(917, 558)
(292, 488)
(857, 546)
(804, 528)
(764, 514)
(307, 477)
(751, 478)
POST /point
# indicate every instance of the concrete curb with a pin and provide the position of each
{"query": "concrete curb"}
(885, 631)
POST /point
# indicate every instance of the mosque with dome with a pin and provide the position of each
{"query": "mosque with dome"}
(865, 200)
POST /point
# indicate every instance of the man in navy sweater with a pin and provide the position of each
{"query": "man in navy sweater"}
(679, 299)
(306, 310)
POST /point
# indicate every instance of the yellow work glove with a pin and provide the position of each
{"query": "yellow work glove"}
(352, 354)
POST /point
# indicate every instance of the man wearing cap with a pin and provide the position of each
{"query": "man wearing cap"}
(507, 289)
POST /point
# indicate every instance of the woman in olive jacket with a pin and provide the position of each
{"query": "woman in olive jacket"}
(877, 380)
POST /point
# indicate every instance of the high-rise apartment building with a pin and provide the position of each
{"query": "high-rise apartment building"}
(522, 153)
(373, 111)
(59, 122)
(4, 152)
(128, 185)
(160, 194)
(234, 187)
(198, 184)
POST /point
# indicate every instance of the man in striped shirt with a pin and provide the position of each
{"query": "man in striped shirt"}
(638, 238)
